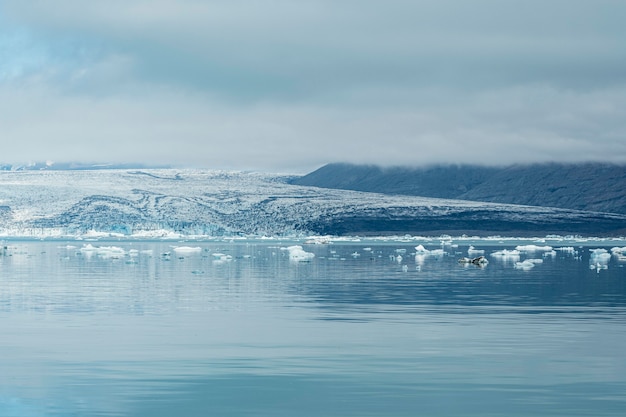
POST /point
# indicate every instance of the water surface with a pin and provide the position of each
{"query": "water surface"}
(239, 329)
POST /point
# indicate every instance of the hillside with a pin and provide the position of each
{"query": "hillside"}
(590, 186)
(217, 203)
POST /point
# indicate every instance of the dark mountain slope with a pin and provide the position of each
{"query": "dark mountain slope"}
(589, 186)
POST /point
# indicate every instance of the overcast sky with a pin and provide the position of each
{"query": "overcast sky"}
(287, 86)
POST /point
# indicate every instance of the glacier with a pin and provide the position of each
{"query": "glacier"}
(162, 203)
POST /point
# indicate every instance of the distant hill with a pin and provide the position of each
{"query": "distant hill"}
(587, 186)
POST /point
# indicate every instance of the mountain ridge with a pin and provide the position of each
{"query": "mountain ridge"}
(599, 187)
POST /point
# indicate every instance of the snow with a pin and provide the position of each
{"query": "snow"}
(599, 256)
(298, 254)
(420, 249)
(105, 252)
(186, 250)
(526, 265)
(176, 204)
(566, 249)
(533, 248)
(474, 252)
(505, 254)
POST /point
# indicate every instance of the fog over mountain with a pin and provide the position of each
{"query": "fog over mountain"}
(589, 186)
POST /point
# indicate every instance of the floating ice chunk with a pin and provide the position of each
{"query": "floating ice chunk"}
(221, 256)
(526, 265)
(437, 252)
(111, 252)
(419, 249)
(187, 249)
(479, 261)
(297, 254)
(106, 252)
(533, 248)
(474, 252)
(618, 250)
(566, 249)
(88, 248)
(504, 254)
(599, 256)
(318, 240)
(534, 261)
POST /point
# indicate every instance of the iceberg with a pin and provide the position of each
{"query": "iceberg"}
(474, 252)
(533, 248)
(105, 252)
(187, 249)
(504, 254)
(526, 265)
(479, 261)
(600, 256)
(297, 254)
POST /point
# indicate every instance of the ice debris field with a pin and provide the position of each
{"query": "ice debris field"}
(400, 253)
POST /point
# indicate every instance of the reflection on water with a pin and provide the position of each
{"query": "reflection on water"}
(240, 329)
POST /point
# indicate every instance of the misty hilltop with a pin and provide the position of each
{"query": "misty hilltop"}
(586, 186)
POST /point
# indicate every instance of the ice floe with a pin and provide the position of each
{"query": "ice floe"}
(506, 255)
(186, 250)
(298, 254)
(420, 250)
(533, 248)
(473, 252)
(105, 252)
(526, 265)
(478, 261)
(600, 255)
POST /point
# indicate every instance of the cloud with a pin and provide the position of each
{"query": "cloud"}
(167, 126)
(283, 85)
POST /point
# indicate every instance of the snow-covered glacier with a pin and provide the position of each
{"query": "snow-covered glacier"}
(216, 203)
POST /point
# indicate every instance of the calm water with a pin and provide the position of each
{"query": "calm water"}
(251, 333)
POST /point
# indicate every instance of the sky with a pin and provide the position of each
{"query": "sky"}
(288, 86)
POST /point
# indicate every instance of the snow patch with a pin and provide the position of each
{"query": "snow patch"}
(298, 254)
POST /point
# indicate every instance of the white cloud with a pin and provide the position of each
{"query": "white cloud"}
(167, 126)
(283, 85)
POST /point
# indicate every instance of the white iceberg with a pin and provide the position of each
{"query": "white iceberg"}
(105, 252)
(419, 249)
(181, 250)
(474, 252)
(599, 256)
(526, 265)
(507, 255)
(533, 248)
(566, 249)
(297, 254)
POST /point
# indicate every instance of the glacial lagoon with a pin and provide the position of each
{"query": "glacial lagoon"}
(359, 328)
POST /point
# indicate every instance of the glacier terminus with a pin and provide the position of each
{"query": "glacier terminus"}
(191, 202)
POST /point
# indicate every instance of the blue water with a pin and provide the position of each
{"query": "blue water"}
(255, 334)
